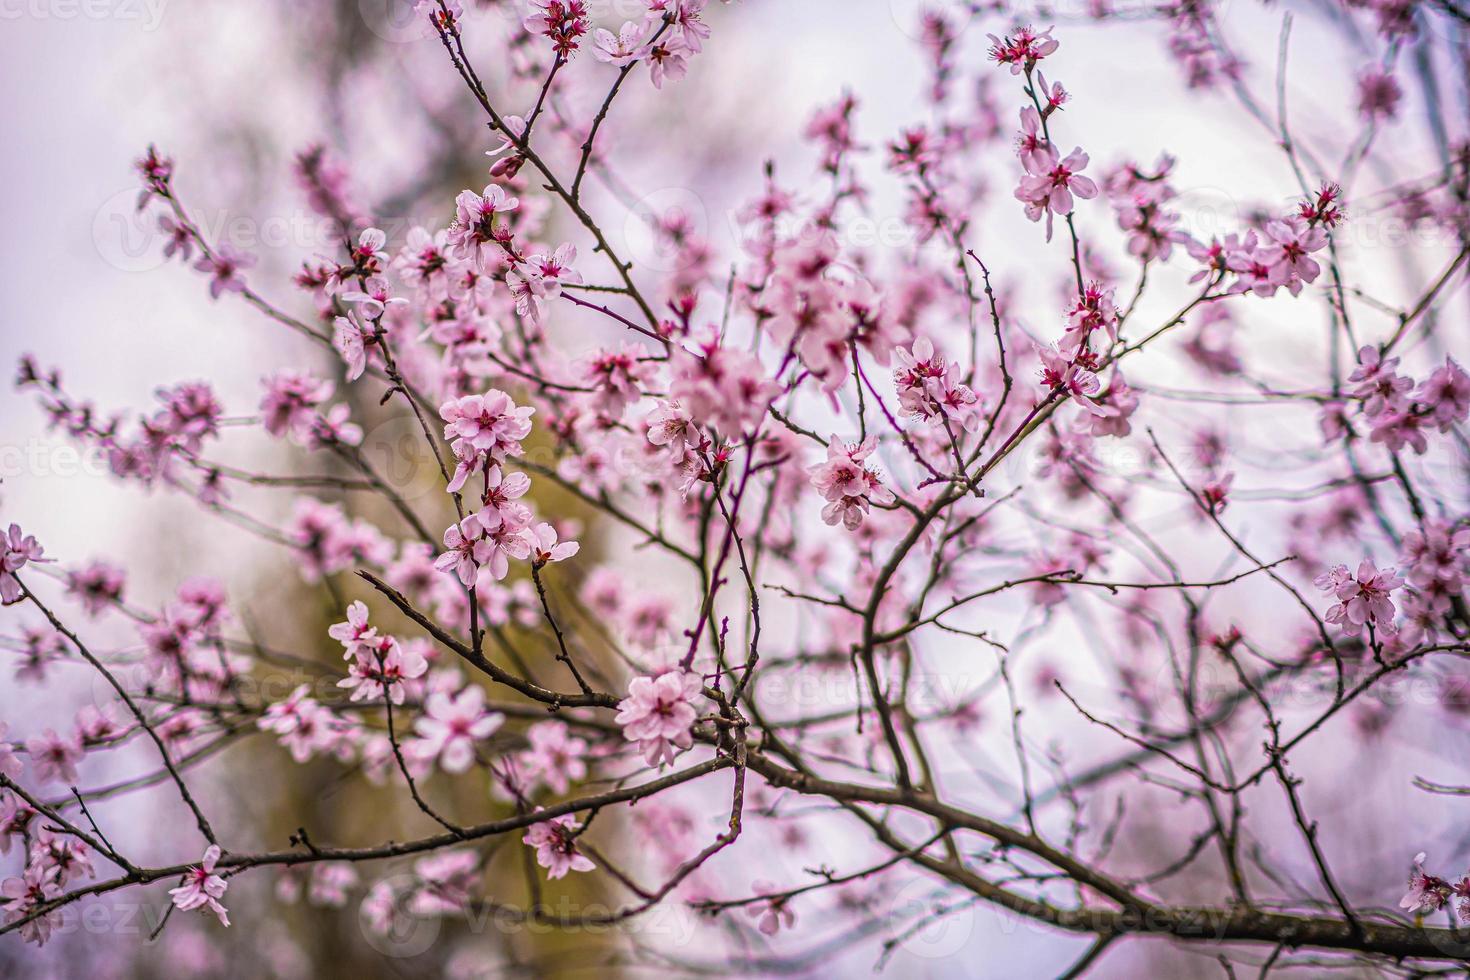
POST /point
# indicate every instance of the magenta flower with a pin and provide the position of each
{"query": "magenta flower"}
(659, 713)
(1362, 598)
(491, 424)
(473, 235)
(848, 486)
(451, 726)
(556, 846)
(224, 268)
(202, 888)
(1378, 95)
(556, 757)
(54, 758)
(1445, 395)
(544, 547)
(1427, 893)
(772, 915)
(1023, 49)
(618, 49)
(17, 549)
(1292, 240)
(24, 895)
(10, 766)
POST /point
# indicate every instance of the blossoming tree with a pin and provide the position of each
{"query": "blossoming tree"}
(866, 549)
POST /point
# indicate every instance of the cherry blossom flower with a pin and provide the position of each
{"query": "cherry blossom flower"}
(1378, 95)
(451, 726)
(1023, 49)
(61, 856)
(1291, 240)
(446, 883)
(1427, 893)
(1378, 383)
(544, 546)
(1071, 376)
(380, 669)
(929, 387)
(1037, 155)
(330, 882)
(98, 585)
(563, 21)
(846, 483)
(291, 402)
(555, 756)
(556, 846)
(54, 758)
(1445, 395)
(659, 713)
(474, 236)
(619, 49)
(355, 633)
(772, 915)
(17, 549)
(1051, 190)
(1362, 598)
(350, 340)
(202, 888)
(224, 268)
(668, 60)
(467, 547)
(24, 896)
(492, 424)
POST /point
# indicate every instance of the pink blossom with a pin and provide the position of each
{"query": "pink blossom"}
(1052, 189)
(618, 49)
(659, 713)
(1037, 155)
(556, 846)
(492, 424)
(10, 766)
(467, 547)
(1072, 377)
(1445, 395)
(1291, 240)
(202, 888)
(544, 546)
(1378, 95)
(1023, 49)
(17, 549)
(25, 895)
(1427, 893)
(555, 757)
(1377, 382)
(98, 585)
(473, 236)
(668, 60)
(291, 402)
(846, 483)
(380, 669)
(1362, 598)
(330, 882)
(224, 268)
(451, 726)
(563, 21)
(772, 915)
(446, 882)
(54, 758)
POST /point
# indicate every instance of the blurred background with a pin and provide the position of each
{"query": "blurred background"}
(233, 91)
